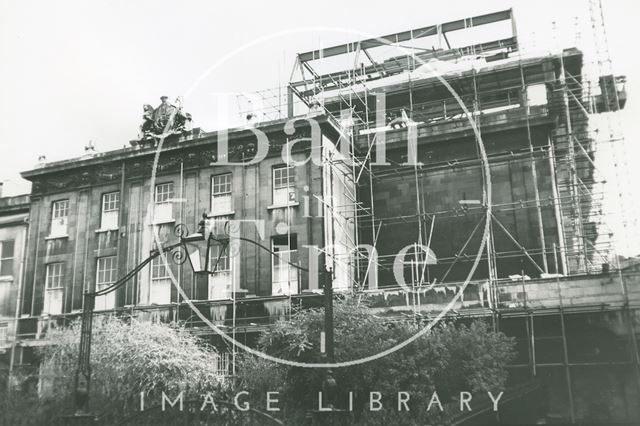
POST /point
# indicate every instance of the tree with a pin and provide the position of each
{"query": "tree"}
(127, 358)
(451, 358)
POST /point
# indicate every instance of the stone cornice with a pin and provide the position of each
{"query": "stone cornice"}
(178, 152)
(15, 204)
(175, 143)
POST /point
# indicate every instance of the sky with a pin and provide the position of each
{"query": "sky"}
(74, 71)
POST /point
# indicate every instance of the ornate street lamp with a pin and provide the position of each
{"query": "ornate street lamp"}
(195, 247)
(198, 250)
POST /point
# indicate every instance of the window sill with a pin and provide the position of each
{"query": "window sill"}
(98, 231)
(105, 309)
(6, 278)
(239, 293)
(214, 215)
(56, 237)
(156, 305)
(162, 222)
(283, 206)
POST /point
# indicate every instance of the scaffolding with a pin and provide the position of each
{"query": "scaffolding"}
(378, 90)
(563, 185)
(578, 185)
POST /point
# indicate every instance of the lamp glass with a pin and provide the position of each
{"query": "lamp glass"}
(198, 253)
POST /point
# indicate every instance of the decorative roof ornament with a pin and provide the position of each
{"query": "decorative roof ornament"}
(90, 148)
(167, 119)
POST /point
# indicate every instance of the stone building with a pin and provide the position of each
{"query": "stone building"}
(14, 214)
(93, 219)
(544, 273)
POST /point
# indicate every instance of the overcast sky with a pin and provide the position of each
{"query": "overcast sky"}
(74, 71)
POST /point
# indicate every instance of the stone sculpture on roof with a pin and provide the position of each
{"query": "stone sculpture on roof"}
(167, 119)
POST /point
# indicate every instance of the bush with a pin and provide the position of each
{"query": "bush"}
(449, 359)
(127, 358)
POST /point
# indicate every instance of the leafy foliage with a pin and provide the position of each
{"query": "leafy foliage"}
(450, 359)
(132, 357)
(126, 358)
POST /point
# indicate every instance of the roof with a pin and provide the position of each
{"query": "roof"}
(176, 143)
(14, 205)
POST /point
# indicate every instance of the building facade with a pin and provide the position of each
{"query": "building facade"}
(14, 214)
(95, 218)
(544, 275)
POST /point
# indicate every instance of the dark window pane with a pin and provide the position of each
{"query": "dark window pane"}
(549, 350)
(522, 352)
(7, 249)
(290, 241)
(6, 267)
(547, 326)
(597, 337)
(556, 390)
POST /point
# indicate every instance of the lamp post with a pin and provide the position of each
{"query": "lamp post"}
(328, 314)
(195, 247)
(329, 382)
